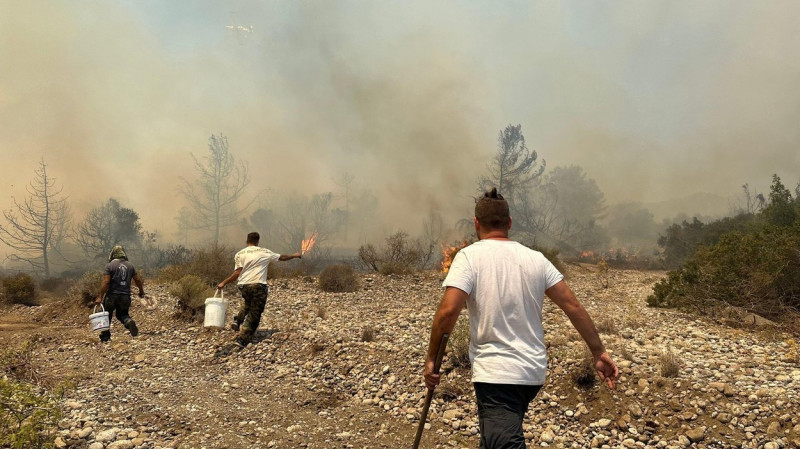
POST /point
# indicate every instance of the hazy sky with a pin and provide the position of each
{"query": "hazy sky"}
(653, 99)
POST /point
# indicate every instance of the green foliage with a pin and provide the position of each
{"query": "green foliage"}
(781, 210)
(680, 241)
(191, 292)
(399, 255)
(28, 414)
(86, 289)
(28, 418)
(338, 278)
(758, 271)
(19, 289)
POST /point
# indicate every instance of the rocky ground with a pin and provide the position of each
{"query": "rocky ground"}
(344, 371)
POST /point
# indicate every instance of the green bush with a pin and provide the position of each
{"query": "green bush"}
(28, 418)
(28, 414)
(85, 290)
(19, 289)
(191, 292)
(338, 278)
(758, 271)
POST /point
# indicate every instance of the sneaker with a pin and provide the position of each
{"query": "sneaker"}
(131, 326)
(235, 326)
(241, 343)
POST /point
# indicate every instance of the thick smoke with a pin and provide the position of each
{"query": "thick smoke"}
(654, 100)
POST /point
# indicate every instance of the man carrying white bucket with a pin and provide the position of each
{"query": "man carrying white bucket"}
(117, 283)
(250, 269)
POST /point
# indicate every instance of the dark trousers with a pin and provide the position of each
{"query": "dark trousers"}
(501, 409)
(249, 316)
(119, 304)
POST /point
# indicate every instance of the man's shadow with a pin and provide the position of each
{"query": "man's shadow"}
(261, 335)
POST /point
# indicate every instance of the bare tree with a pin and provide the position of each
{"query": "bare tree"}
(345, 181)
(214, 196)
(108, 225)
(514, 169)
(37, 225)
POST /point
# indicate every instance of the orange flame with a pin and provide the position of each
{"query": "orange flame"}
(308, 243)
(449, 253)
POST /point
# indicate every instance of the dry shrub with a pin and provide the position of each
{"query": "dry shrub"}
(626, 354)
(338, 278)
(584, 375)
(368, 334)
(459, 343)
(16, 362)
(54, 285)
(670, 364)
(213, 263)
(86, 289)
(282, 270)
(172, 273)
(606, 325)
(399, 255)
(451, 390)
(20, 289)
(191, 292)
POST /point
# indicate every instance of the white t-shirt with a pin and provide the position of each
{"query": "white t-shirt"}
(505, 282)
(253, 261)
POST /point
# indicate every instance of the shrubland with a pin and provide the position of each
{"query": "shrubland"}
(750, 263)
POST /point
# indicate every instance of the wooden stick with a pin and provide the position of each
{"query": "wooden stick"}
(429, 395)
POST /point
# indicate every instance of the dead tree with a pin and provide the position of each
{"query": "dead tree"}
(214, 196)
(37, 225)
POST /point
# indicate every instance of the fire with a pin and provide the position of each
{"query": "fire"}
(449, 253)
(308, 243)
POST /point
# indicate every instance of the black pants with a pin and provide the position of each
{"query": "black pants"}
(119, 304)
(501, 409)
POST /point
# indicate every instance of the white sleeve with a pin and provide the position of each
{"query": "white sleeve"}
(237, 262)
(551, 274)
(460, 275)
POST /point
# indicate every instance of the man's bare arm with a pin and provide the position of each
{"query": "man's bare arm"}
(139, 283)
(564, 298)
(103, 288)
(444, 321)
(290, 256)
(231, 278)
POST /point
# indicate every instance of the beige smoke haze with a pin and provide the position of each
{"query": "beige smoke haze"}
(654, 100)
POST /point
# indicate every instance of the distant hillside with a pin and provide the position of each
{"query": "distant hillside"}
(699, 204)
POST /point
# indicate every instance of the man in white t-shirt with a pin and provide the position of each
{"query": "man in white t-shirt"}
(250, 268)
(503, 283)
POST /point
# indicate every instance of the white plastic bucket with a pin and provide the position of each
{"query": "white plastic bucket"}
(99, 320)
(215, 311)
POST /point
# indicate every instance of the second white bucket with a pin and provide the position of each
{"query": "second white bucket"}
(215, 311)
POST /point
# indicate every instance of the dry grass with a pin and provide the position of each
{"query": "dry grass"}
(368, 334)
(584, 374)
(670, 365)
(606, 325)
(338, 278)
(459, 343)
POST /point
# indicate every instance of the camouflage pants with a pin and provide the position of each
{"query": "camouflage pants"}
(116, 303)
(249, 316)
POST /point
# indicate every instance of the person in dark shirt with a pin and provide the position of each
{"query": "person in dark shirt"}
(115, 290)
